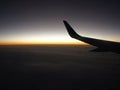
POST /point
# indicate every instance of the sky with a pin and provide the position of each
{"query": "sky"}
(41, 21)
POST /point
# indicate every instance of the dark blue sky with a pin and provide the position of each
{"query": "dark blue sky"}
(41, 20)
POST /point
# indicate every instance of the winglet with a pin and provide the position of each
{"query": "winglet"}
(70, 30)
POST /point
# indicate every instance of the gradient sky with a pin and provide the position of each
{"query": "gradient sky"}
(40, 21)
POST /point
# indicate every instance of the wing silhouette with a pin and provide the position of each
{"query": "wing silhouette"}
(102, 45)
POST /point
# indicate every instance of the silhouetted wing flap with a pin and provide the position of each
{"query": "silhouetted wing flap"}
(99, 50)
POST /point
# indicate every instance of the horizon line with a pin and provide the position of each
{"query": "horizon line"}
(50, 43)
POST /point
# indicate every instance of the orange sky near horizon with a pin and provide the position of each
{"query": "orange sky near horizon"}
(39, 39)
(42, 43)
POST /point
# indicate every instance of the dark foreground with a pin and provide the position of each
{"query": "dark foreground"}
(58, 67)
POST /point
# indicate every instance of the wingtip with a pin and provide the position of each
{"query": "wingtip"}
(64, 21)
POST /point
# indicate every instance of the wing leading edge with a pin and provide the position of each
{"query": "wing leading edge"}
(102, 45)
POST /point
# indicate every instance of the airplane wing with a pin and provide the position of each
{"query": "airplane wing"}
(102, 45)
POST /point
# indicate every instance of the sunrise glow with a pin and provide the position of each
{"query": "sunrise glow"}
(41, 43)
